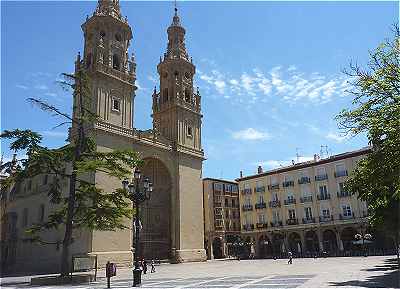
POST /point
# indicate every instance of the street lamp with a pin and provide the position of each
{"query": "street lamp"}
(139, 189)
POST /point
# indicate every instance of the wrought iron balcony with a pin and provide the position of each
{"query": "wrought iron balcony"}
(247, 207)
(294, 221)
(276, 224)
(246, 191)
(308, 220)
(261, 225)
(273, 187)
(259, 206)
(260, 189)
(274, 204)
(322, 197)
(288, 184)
(347, 217)
(307, 199)
(324, 219)
(339, 174)
(343, 194)
(304, 180)
(290, 201)
(248, 227)
(321, 177)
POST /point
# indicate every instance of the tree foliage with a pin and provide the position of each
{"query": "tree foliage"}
(376, 112)
(84, 205)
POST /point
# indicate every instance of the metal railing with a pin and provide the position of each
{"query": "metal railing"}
(307, 199)
(274, 204)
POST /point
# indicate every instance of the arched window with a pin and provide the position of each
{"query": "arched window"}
(187, 95)
(165, 94)
(116, 62)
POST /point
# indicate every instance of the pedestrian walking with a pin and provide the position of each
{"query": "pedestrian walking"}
(153, 267)
(290, 258)
(144, 266)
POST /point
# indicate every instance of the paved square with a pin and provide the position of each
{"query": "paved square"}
(345, 272)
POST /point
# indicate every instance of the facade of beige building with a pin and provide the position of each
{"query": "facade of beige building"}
(172, 151)
(303, 208)
(221, 217)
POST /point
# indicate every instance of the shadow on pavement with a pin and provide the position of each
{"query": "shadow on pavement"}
(390, 277)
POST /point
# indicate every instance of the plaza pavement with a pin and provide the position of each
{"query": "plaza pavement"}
(342, 272)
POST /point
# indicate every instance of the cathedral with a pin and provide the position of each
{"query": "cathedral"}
(172, 220)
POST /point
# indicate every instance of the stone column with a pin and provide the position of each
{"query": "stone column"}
(320, 240)
(339, 241)
(303, 242)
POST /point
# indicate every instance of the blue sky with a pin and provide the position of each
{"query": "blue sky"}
(269, 72)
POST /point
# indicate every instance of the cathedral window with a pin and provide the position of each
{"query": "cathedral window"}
(116, 63)
(187, 95)
(116, 104)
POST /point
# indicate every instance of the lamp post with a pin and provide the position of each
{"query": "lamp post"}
(139, 189)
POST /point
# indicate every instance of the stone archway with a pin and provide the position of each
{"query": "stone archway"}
(347, 237)
(311, 242)
(156, 213)
(295, 243)
(329, 241)
(265, 247)
(278, 244)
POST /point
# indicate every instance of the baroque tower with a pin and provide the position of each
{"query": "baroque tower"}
(176, 107)
(107, 37)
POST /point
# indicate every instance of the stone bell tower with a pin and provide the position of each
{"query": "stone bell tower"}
(176, 107)
(107, 38)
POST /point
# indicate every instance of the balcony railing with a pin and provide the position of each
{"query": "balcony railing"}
(341, 174)
(247, 207)
(260, 189)
(321, 177)
(307, 199)
(325, 219)
(290, 201)
(261, 225)
(248, 227)
(276, 224)
(217, 204)
(322, 197)
(273, 187)
(294, 221)
(304, 180)
(347, 217)
(246, 191)
(288, 184)
(343, 194)
(308, 220)
(259, 206)
(218, 216)
(274, 204)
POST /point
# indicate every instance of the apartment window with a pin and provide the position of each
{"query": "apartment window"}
(323, 191)
(259, 184)
(288, 178)
(274, 180)
(41, 213)
(340, 168)
(341, 187)
(308, 213)
(228, 188)
(260, 199)
(233, 214)
(217, 187)
(346, 210)
(234, 188)
(325, 212)
(25, 217)
(233, 203)
(246, 186)
(275, 197)
(292, 214)
(45, 179)
(261, 218)
(290, 197)
(116, 104)
(248, 201)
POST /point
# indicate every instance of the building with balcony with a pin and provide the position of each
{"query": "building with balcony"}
(221, 216)
(308, 209)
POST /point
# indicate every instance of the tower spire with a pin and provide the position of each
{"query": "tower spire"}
(108, 7)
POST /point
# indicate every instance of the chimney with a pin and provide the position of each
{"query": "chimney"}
(259, 170)
(241, 174)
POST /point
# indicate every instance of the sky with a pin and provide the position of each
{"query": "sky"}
(270, 73)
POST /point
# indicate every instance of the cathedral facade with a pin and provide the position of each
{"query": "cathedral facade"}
(172, 220)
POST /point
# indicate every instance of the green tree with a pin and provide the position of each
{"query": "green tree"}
(376, 113)
(84, 205)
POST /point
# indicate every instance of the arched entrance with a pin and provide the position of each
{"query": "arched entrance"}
(329, 241)
(278, 244)
(311, 242)
(155, 239)
(264, 247)
(295, 243)
(347, 237)
(217, 248)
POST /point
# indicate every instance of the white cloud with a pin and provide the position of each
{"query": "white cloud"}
(274, 164)
(220, 86)
(21, 86)
(337, 137)
(250, 134)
